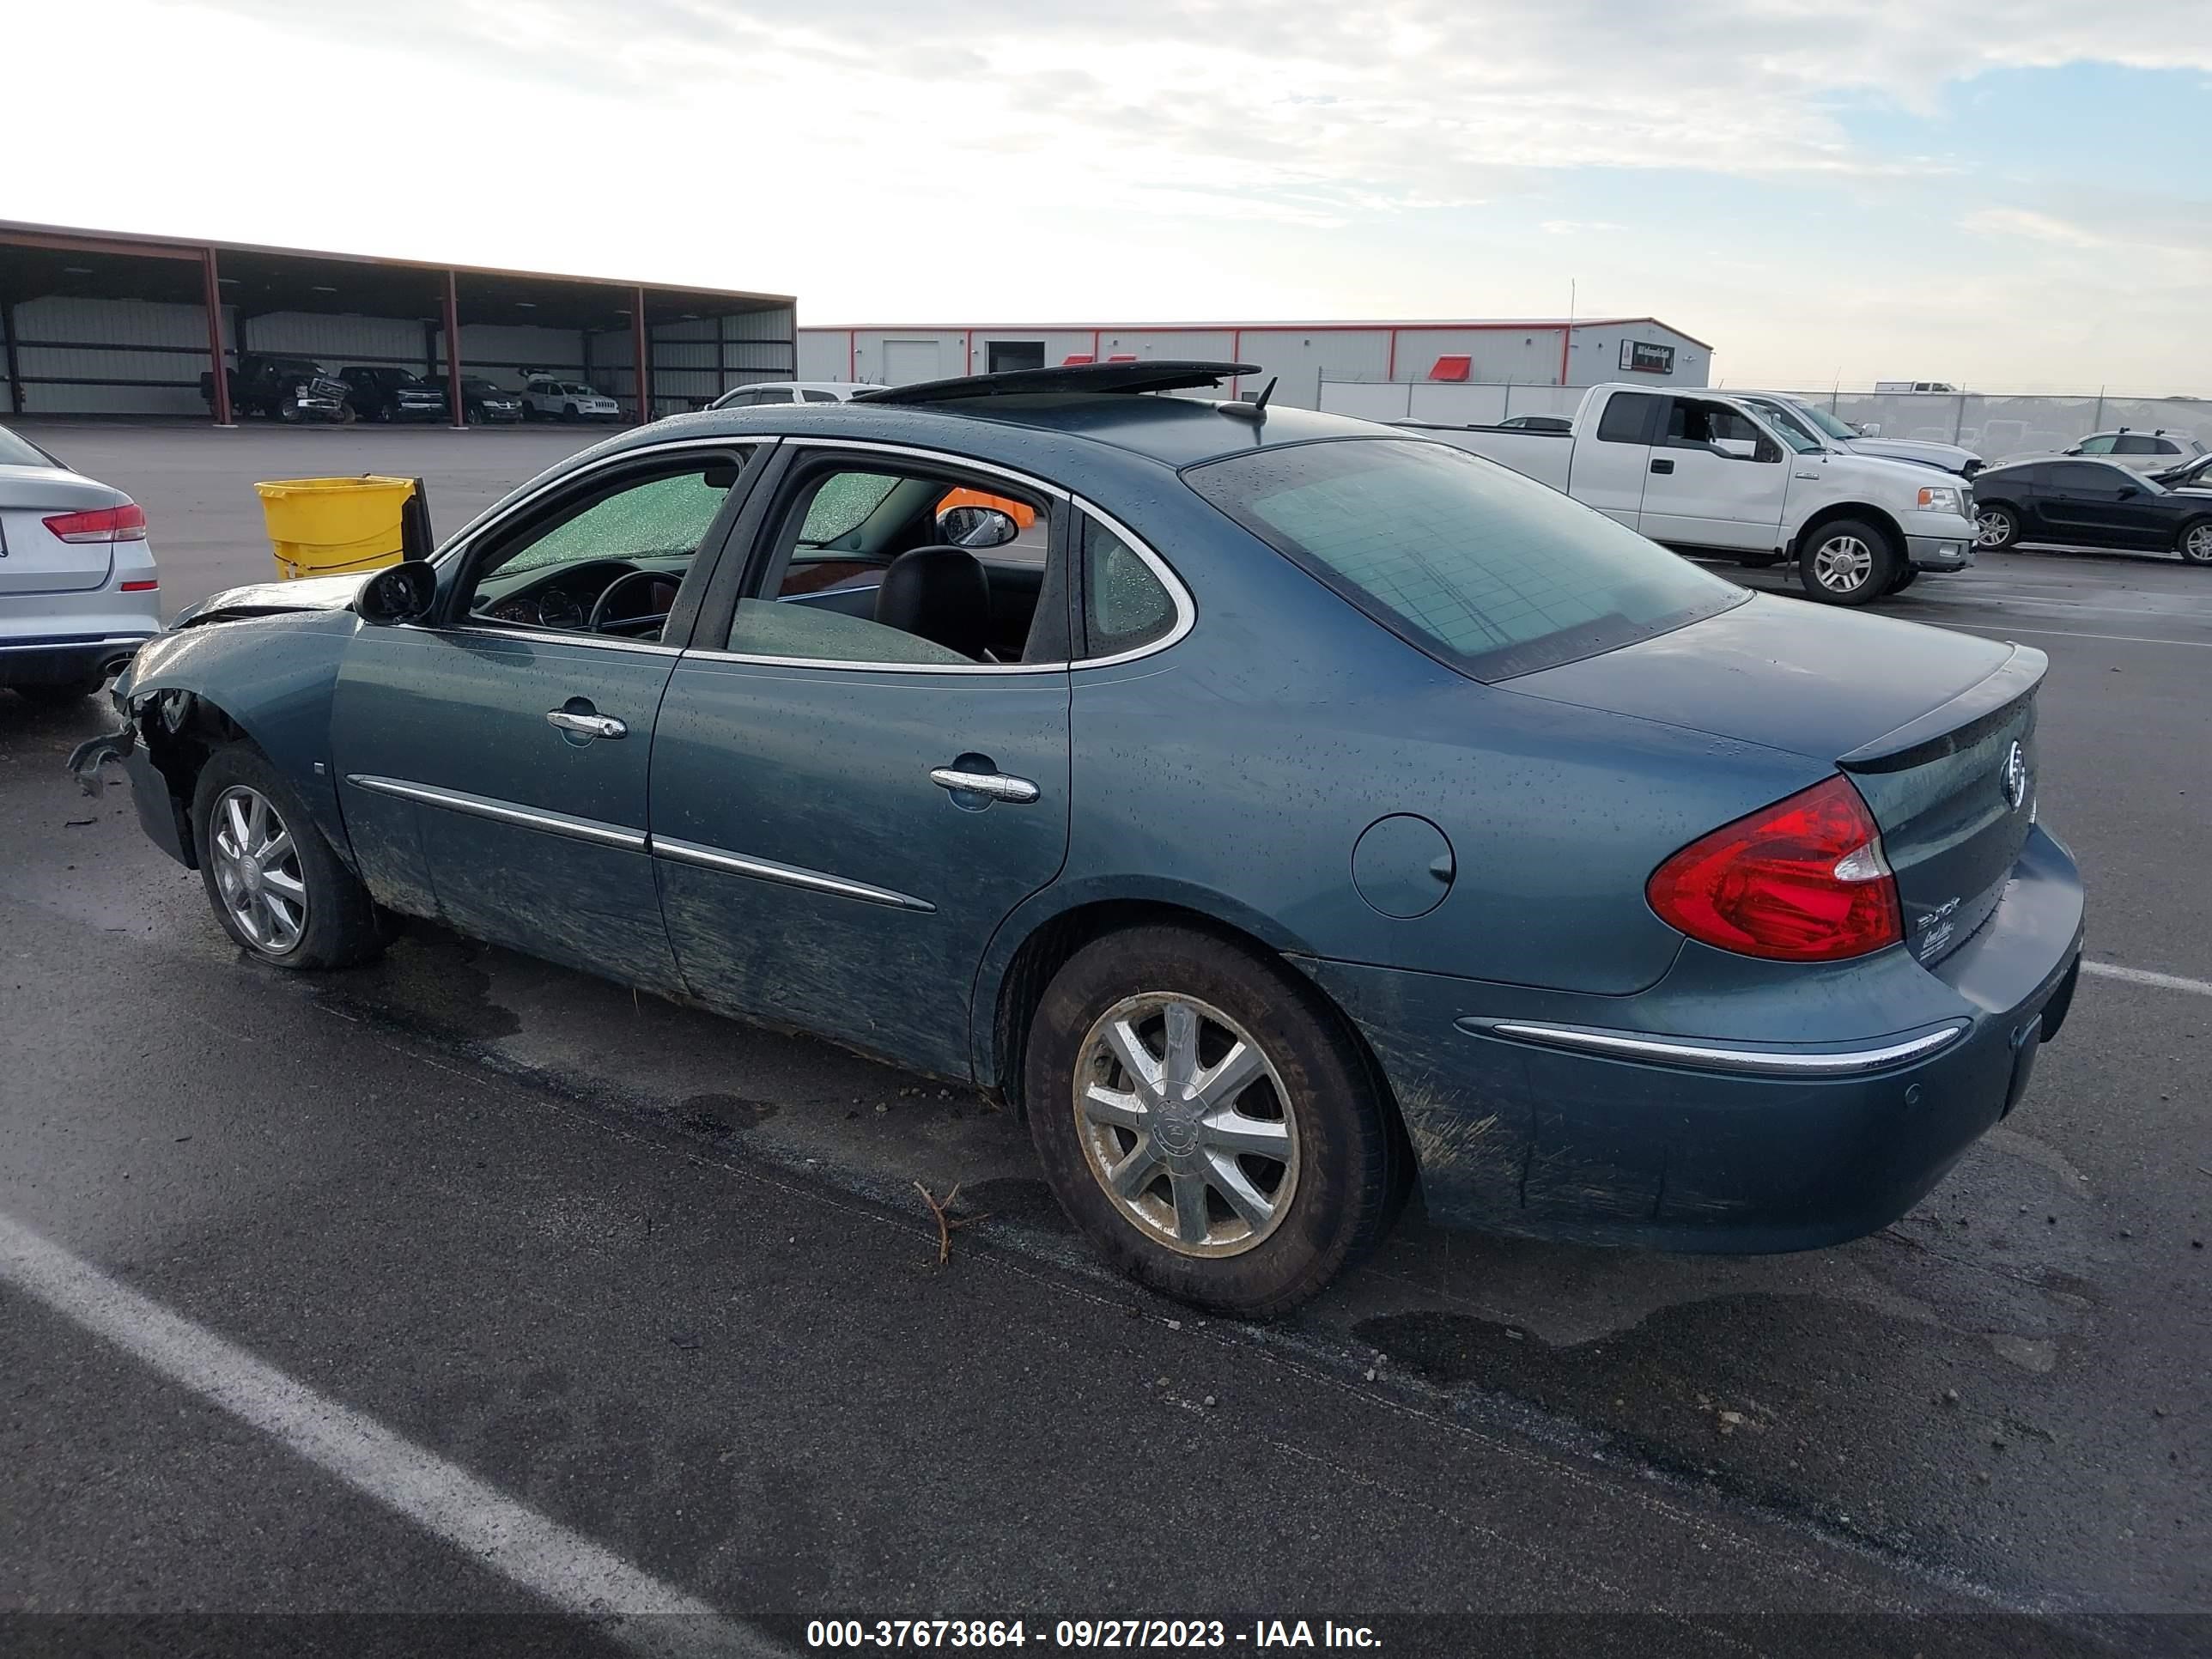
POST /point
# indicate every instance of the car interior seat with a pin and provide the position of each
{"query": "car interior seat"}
(942, 595)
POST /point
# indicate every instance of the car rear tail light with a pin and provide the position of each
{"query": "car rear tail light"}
(126, 523)
(137, 588)
(1802, 880)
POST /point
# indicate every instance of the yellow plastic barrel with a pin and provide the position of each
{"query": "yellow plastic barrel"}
(329, 527)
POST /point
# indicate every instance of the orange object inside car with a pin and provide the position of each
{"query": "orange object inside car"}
(1023, 517)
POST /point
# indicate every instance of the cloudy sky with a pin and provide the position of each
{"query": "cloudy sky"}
(1825, 189)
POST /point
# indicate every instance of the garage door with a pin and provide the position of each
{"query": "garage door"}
(908, 361)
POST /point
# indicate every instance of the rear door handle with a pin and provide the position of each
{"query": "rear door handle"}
(996, 785)
(1662, 466)
(585, 725)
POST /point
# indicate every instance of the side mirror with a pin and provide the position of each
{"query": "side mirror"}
(1869, 429)
(976, 526)
(401, 592)
(1742, 449)
(2127, 490)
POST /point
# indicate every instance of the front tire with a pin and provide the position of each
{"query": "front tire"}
(277, 888)
(1207, 1122)
(2195, 543)
(1847, 562)
(1995, 527)
(1903, 579)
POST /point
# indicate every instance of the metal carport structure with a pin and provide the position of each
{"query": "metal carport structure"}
(98, 322)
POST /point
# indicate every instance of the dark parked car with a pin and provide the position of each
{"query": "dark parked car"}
(382, 393)
(2090, 504)
(484, 401)
(283, 389)
(1313, 811)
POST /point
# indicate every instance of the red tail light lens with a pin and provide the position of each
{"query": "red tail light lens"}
(126, 523)
(1802, 880)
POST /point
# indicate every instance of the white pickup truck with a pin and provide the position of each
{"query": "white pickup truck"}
(1709, 474)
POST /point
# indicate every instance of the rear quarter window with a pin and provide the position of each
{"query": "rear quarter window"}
(1489, 572)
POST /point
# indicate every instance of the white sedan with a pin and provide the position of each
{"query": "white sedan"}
(764, 393)
(78, 595)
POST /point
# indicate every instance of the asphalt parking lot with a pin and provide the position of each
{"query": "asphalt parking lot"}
(663, 1283)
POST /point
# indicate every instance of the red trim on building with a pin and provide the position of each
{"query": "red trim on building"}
(1452, 366)
(1390, 372)
(1526, 325)
(1566, 343)
(1078, 360)
(852, 355)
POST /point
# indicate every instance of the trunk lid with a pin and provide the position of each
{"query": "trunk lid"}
(32, 559)
(1936, 731)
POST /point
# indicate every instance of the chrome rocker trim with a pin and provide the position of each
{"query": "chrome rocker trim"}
(483, 806)
(791, 875)
(1715, 1057)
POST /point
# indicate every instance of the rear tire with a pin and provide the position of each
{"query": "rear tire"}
(2194, 542)
(299, 907)
(1996, 526)
(60, 694)
(1847, 562)
(1297, 1171)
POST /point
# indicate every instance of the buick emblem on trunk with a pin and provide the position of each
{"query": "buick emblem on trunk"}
(2015, 777)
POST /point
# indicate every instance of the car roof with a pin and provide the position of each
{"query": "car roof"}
(1036, 427)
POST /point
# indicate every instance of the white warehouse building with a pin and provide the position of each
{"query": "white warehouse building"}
(1558, 352)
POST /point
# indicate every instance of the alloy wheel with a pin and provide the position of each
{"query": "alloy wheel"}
(1185, 1125)
(1991, 529)
(257, 871)
(2196, 546)
(1843, 564)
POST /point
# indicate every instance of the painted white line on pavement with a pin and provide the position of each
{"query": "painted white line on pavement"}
(2144, 976)
(565, 1568)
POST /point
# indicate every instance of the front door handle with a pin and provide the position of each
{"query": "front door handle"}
(1662, 465)
(585, 725)
(995, 785)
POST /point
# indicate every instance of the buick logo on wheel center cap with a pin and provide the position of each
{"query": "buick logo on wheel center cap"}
(2015, 777)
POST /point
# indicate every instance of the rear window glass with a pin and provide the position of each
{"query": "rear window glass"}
(1627, 418)
(1487, 571)
(16, 451)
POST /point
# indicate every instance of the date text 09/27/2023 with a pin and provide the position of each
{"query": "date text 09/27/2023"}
(1169, 1635)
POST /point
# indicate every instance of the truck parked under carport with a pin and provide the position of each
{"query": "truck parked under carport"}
(1709, 474)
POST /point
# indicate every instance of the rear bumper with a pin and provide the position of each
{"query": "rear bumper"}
(1755, 1144)
(73, 657)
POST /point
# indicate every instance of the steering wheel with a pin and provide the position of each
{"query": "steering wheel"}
(600, 622)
